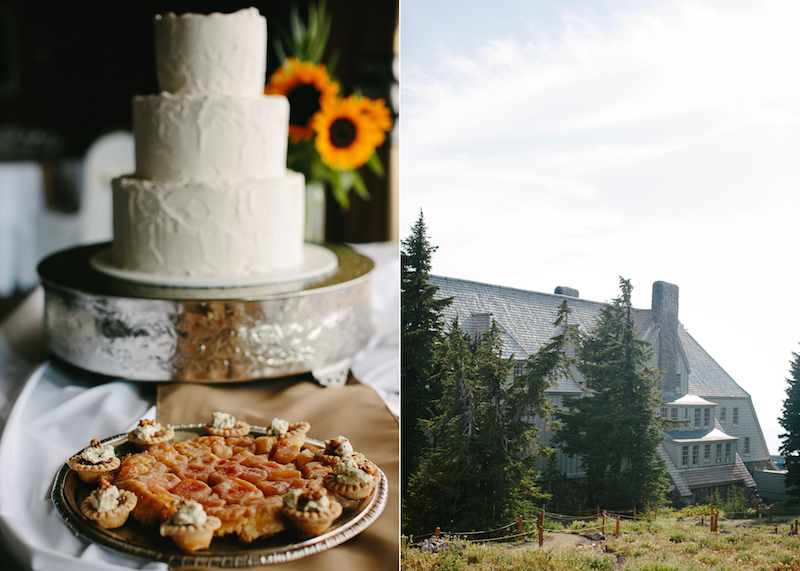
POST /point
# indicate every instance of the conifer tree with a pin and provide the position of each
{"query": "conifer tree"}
(790, 421)
(422, 332)
(482, 470)
(614, 426)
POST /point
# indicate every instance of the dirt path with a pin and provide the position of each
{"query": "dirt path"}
(552, 539)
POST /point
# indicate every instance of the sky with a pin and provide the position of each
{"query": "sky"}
(572, 143)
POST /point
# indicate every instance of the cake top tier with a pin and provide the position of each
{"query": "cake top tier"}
(217, 54)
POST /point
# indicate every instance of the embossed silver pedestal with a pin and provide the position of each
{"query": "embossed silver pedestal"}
(154, 333)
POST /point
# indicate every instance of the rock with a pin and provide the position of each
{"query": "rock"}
(596, 537)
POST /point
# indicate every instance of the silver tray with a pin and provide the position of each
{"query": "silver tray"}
(156, 333)
(133, 539)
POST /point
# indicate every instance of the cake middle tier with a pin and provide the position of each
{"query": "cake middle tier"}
(209, 228)
(210, 137)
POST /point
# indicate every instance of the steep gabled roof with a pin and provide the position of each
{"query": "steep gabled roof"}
(526, 320)
(706, 377)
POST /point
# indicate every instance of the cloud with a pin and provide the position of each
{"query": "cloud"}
(672, 62)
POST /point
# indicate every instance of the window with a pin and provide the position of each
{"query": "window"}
(663, 412)
(695, 453)
(706, 417)
(719, 453)
(728, 452)
(697, 418)
(519, 368)
(735, 415)
(722, 413)
(673, 413)
(747, 445)
(685, 456)
(707, 453)
(685, 413)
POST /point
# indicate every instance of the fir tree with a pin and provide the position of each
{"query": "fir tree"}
(790, 421)
(482, 470)
(614, 426)
(422, 333)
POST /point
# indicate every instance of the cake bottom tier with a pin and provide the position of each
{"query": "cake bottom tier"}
(209, 228)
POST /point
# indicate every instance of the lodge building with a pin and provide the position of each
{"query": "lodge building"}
(719, 443)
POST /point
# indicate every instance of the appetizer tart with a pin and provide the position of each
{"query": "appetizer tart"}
(224, 424)
(94, 461)
(150, 433)
(311, 511)
(338, 449)
(351, 480)
(108, 506)
(190, 527)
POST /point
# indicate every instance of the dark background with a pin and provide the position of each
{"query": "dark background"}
(68, 70)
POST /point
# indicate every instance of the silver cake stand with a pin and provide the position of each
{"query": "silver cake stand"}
(155, 333)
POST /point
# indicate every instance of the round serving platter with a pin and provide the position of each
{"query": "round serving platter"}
(133, 539)
(152, 332)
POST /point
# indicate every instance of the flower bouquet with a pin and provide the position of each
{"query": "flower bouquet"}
(330, 136)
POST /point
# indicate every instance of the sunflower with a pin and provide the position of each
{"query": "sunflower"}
(378, 113)
(346, 134)
(305, 85)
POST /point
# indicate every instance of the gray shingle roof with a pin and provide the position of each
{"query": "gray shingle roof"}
(526, 321)
(703, 477)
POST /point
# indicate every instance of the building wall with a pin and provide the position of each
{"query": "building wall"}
(571, 466)
(747, 426)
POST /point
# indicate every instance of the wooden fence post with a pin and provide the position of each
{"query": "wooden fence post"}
(541, 536)
(438, 532)
(770, 512)
(616, 533)
(519, 527)
(634, 515)
(604, 522)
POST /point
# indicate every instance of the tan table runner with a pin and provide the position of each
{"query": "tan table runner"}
(355, 411)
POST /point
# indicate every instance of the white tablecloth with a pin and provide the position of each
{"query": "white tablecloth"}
(48, 412)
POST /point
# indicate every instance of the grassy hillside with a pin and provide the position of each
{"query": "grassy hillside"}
(671, 543)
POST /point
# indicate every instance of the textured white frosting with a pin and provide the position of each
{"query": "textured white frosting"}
(209, 228)
(210, 137)
(221, 54)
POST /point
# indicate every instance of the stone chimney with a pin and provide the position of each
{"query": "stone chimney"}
(665, 317)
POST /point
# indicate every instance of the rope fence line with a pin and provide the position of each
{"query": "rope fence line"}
(608, 518)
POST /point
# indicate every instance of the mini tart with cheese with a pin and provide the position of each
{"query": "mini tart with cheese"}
(282, 430)
(338, 449)
(94, 461)
(150, 433)
(190, 527)
(351, 480)
(224, 424)
(311, 511)
(108, 506)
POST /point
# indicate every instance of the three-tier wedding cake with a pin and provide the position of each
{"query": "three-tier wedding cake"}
(211, 195)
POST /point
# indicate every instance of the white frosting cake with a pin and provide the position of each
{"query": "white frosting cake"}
(211, 195)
